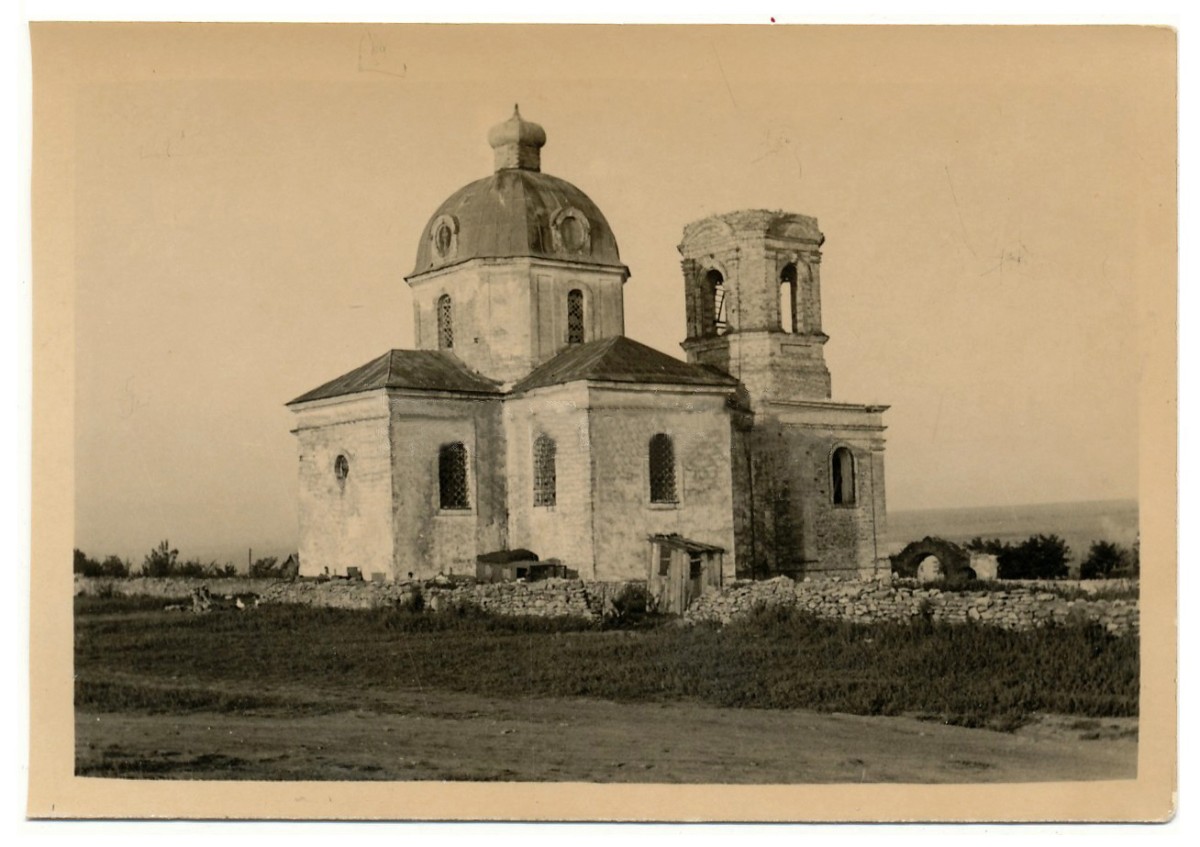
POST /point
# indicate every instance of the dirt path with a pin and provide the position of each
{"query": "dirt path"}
(442, 735)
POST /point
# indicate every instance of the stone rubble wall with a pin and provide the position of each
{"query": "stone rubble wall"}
(168, 587)
(546, 598)
(1018, 607)
(1024, 605)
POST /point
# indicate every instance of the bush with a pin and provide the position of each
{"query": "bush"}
(113, 566)
(1037, 557)
(1106, 560)
(413, 602)
(633, 607)
(267, 568)
(161, 561)
(634, 599)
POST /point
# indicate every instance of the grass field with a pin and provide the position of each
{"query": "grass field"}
(139, 670)
(298, 692)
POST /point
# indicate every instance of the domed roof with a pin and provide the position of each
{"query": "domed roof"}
(518, 211)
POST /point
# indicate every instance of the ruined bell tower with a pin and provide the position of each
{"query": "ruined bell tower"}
(807, 471)
(753, 295)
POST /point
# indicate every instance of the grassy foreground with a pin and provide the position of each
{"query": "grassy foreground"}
(132, 657)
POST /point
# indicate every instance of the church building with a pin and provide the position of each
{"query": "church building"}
(526, 419)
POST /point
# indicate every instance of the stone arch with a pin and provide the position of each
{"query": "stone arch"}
(955, 562)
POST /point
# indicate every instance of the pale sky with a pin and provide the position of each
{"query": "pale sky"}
(248, 200)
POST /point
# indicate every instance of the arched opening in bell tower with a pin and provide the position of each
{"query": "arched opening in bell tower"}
(788, 316)
(715, 294)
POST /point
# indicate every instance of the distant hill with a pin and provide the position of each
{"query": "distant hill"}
(1079, 524)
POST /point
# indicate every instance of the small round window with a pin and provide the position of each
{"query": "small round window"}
(341, 468)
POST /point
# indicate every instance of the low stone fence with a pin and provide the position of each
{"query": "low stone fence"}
(168, 587)
(1019, 607)
(546, 598)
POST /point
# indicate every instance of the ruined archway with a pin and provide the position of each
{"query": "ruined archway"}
(953, 561)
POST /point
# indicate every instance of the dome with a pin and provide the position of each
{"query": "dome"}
(518, 211)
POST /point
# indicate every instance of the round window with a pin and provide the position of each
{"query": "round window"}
(573, 235)
(341, 468)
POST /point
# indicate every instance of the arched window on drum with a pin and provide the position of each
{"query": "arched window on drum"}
(575, 317)
(445, 322)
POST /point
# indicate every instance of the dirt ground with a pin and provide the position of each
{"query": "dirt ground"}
(439, 735)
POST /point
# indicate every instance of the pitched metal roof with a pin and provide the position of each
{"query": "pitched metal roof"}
(429, 370)
(621, 359)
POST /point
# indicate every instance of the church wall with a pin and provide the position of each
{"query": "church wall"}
(622, 421)
(603, 306)
(564, 530)
(490, 309)
(769, 364)
(510, 315)
(800, 531)
(345, 523)
(428, 539)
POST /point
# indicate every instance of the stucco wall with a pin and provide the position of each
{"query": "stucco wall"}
(428, 539)
(603, 307)
(510, 315)
(345, 523)
(622, 421)
(788, 523)
(564, 530)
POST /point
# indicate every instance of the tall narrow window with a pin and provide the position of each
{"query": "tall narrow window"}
(544, 471)
(575, 317)
(788, 319)
(452, 476)
(445, 321)
(662, 469)
(843, 477)
(714, 284)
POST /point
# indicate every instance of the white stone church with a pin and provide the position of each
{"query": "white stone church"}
(526, 419)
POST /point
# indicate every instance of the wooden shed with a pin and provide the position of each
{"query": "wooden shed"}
(680, 570)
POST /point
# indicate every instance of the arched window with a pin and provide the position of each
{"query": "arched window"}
(662, 469)
(788, 317)
(544, 472)
(575, 316)
(842, 471)
(452, 476)
(445, 321)
(714, 289)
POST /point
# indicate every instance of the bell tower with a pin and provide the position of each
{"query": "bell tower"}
(807, 471)
(753, 299)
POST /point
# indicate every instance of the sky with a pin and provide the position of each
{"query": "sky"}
(245, 202)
